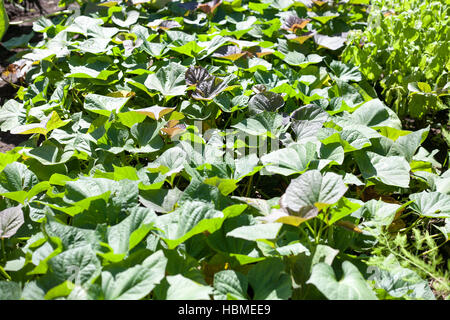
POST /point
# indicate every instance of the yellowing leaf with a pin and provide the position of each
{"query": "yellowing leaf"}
(173, 128)
(155, 112)
(300, 38)
(229, 52)
(108, 4)
(121, 94)
(53, 121)
(349, 226)
(321, 206)
(292, 220)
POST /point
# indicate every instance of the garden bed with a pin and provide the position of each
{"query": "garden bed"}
(217, 150)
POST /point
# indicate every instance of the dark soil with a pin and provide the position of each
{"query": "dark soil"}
(29, 9)
(21, 22)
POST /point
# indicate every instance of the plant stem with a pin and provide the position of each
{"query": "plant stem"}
(412, 225)
(311, 229)
(428, 251)
(247, 194)
(3, 250)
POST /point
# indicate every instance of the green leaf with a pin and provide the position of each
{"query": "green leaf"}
(62, 290)
(70, 237)
(182, 288)
(299, 59)
(16, 177)
(327, 16)
(136, 282)
(94, 68)
(407, 145)
(343, 208)
(79, 265)
(168, 80)
(44, 127)
(18, 42)
(269, 281)
(147, 136)
(50, 154)
(311, 190)
(351, 286)
(11, 219)
(400, 282)
(307, 121)
(10, 290)
(190, 48)
(170, 162)
(291, 160)
(91, 27)
(265, 101)
(377, 213)
(160, 200)
(4, 20)
(104, 105)
(12, 115)
(373, 114)
(230, 285)
(431, 204)
(345, 72)
(263, 124)
(193, 218)
(392, 170)
(302, 263)
(332, 43)
(255, 232)
(125, 235)
(131, 17)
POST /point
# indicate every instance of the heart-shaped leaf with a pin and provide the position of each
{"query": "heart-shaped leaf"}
(168, 80)
(210, 87)
(265, 101)
(351, 286)
(154, 112)
(293, 23)
(195, 75)
(11, 219)
(104, 105)
(431, 204)
(332, 43)
(229, 52)
(53, 121)
(312, 189)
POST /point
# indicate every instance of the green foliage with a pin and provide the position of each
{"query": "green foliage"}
(409, 257)
(405, 50)
(194, 151)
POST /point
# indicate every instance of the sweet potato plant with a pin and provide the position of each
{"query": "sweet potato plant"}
(213, 150)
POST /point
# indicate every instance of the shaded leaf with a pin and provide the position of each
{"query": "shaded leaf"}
(265, 101)
(210, 87)
(195, 75)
